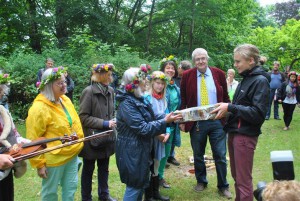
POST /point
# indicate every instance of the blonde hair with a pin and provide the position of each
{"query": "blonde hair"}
(248, 51)
(231, 70)
(282, 190)
(97, 76)
(157, 74)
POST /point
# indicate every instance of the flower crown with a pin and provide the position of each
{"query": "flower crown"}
(162, 77)
(140, 76)
(170, 58)
(102, 67)
(5, 78)
(56, 74)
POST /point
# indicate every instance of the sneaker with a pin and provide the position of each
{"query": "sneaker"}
(267, 118)
(225, 193)
(164, 184)
(199, 187)
(277, 118)
(173, 161)
(286, 128)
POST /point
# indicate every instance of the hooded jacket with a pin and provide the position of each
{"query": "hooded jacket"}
(136, 125)
(49, 120)
(250, 103)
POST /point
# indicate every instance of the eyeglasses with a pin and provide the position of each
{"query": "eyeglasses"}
(60, 84)
(201, 59)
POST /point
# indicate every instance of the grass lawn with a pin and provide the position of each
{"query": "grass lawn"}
(273, 138)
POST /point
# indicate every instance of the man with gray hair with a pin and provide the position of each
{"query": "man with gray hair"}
(204, 85)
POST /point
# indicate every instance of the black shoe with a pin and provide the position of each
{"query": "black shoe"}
(173, 161)
(277, 118)
(109, 198)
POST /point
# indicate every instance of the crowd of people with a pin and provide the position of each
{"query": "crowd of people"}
(147, 130)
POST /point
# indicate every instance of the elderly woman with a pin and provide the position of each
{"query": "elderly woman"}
(137, 125)
(231, 83)
(51, 115)
(96, 114)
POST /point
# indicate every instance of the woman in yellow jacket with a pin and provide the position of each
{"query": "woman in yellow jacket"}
(53, 115)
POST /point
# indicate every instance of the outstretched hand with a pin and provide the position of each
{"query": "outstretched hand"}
(221, 110)
(171, 117)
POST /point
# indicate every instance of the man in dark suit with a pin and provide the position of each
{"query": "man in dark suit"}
(216, 91)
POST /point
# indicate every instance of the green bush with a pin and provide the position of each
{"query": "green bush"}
(79, 57)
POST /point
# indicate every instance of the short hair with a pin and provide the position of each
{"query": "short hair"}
(185, 65)
(172, 63)
(128, 78)
(248, 51)
(276, 62)
(282, 190)
(49, 59)
(231, 70)
(47, 91)
(199, 51)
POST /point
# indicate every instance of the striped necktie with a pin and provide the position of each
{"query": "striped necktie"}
(203, 92)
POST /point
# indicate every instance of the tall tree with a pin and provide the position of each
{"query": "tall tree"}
(35, 38)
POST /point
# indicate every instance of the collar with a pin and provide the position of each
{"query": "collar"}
(207, 73)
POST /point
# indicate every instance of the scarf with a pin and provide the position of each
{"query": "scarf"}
(291, 89)
(157, 96)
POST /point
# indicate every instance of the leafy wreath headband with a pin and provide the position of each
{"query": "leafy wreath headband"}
(140, 76)
(55, 74)
(103, 67)
(166, 59)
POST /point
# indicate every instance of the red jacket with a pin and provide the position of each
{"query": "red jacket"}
(188, 89)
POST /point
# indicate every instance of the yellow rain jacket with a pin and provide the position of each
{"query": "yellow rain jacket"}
(47, 119)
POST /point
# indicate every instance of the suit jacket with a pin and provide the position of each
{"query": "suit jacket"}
(188, 89)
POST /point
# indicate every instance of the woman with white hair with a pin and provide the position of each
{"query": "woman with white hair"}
(231, 83)
(52, 115)
(137, 125)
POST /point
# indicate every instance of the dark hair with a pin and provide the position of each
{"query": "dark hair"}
(172, 63)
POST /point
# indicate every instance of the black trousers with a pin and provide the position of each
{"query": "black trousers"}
(7, 188)
(288, 110)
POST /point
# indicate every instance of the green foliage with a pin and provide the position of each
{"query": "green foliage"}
(280, 44)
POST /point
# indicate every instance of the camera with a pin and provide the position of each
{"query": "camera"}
(283, 169)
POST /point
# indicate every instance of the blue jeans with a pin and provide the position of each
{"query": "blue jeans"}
(133, 194)
(217, 138)
(271, 99)
(87, 176)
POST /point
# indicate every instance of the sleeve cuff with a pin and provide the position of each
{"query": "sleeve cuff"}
(105, 124)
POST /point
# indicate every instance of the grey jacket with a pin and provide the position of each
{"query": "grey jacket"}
(96, 107)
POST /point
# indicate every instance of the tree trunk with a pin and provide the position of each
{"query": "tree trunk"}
(35, 37)
(150, 26)
(191, 40)
(61, 23)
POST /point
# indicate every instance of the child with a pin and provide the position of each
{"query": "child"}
(289, 96)
(157, 97)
